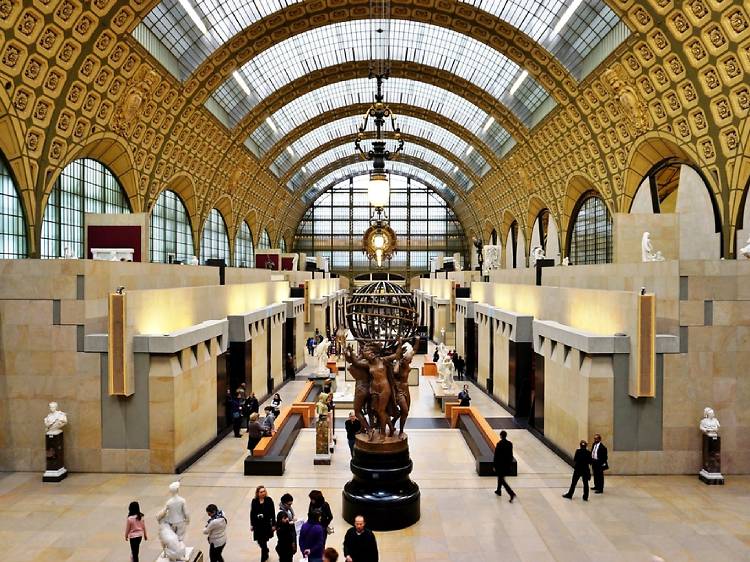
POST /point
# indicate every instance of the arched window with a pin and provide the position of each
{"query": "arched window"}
(12, 224)
(84, 186)
(282, 244)
(590, 238)
(511, 246)
(265, 240)
(244, 250)
(493, 237)
(214, 240)
(171, 235)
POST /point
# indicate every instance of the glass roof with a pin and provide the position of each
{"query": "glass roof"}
(361, 90)
(347, 126)
(583, 29)
(411, 41)
(362, 168)
(410, 149)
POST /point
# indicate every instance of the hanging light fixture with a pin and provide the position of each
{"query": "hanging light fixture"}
(379, 242)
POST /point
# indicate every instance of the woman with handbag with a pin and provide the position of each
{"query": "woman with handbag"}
(286, 537)
(262, 520)
(319, 504)
(216, 528)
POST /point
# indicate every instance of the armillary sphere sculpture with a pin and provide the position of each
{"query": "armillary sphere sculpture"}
(383, 319)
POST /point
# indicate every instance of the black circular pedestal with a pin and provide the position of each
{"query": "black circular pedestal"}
(381, 489)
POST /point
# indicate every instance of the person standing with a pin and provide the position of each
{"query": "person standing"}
(352, 426)
(460, 366)
(581, 462)
(254, 432)
(252, 404)
(290, 368)
(262, 520)
(135, 529)
(598, 463)
(286, 537)
(216, 528)
(464, 397)
(267, 423)
(276, 405)
(236, 409)
(435, 356)
(360, 544)
(312, 538)
(503, 461)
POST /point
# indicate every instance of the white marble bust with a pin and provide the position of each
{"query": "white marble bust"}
(710, 424)
(55, 420)
(176, 511)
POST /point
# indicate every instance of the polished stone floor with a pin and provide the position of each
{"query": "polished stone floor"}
(638, 518)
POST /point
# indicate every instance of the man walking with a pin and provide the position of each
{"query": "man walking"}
(359, 543)
(581, 462)
(352, 427)
(503, 462)
(598, 463)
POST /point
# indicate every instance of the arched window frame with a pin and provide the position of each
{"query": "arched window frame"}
(598, 246)
(73, 195)
(13, 232)
(170, 231)
(215, 238)
(282, 244)
(244, 247)
(264, 243)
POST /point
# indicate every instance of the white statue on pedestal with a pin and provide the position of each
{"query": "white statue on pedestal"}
(55, 420)
(491, 257)
(566, 261)
(176, 511)
(172, 546)
(537, 253)
(710, 424)
(445, 370)
(647, 249)
(746, 250)
(321, 353)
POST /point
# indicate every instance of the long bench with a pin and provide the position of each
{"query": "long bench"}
(269, 455)
(479, 436)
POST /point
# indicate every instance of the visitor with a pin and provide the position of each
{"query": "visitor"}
(236, 409)
(228, 408)
(435, 356)
(286, 537)
(318, 504)
(464, 397)
(598, 463)
(262, 520)
(135, 529)
(275, 403)
(454, 359)
(330, 404)
(216, 528)
(291, 369)
(285, 506)
(503, 462)
(581, 462)
(330, 554)
(312, 538)
(254, 432)
(352, 426)
(310, 345)
(359, 543)
(460, 366)
(267, 423)
(252, 404)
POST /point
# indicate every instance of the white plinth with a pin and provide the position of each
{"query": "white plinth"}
(188, 551)
(113, 254)
(54, 473)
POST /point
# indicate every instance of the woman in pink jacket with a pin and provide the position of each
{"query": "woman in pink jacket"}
(135, 529)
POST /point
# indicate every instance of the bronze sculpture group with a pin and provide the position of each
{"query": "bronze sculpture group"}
(382, 387)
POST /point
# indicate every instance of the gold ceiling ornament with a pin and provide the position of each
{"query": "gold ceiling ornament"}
(629, 101)
(379, 242)
(128, 108)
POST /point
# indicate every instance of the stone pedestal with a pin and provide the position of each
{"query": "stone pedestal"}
(711, 471)
(55, 453)
(322, 450)
(381, 489)
(193, 555)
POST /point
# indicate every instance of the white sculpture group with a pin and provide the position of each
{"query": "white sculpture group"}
(647, 249)
(173, 521)
(491, 257)
(321, 354)
(537, 253)
(445, 368)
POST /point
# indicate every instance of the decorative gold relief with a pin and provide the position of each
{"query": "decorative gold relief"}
(136, 95)
(631, 105)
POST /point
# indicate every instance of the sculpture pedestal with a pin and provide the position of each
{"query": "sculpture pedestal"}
(55, 453)
(193, 555)
(381, 489)
(711, 471)
(322, 448)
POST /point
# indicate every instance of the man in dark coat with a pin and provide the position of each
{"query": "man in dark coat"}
(503, 462)
(359, 543)
(598, 463)
(581, 462)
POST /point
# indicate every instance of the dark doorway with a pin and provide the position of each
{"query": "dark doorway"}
(520, 372)
(223, 416)
(537, 395)
(470, 347)
(269, 361)
(290, 340)
(432, 323)
(327, 331)
(240, 365)
(491, 372)
(475, 353)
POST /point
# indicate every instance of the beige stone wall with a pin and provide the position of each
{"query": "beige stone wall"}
(627, 234)
(259, 361)
(277, 360)
(300, 340)
(459, 334)
(500, 363)
(483, 361)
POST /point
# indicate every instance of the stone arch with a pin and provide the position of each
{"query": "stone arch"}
(553, 246)
(578, 184)
(23, 171)
(182, 184)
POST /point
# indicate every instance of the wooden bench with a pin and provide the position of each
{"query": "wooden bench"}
(479, 436)
(429, 369)
(269, 455)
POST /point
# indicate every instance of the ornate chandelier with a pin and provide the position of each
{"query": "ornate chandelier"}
(379, 242)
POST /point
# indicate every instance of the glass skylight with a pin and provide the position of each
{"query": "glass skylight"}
(591, 21)
(410, 149)
(410, 41)
(347, 126)
(361, 91)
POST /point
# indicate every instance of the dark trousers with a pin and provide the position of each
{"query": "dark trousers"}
(251, 443)
(502, 483)
(576, 476)
(214, 553)
(263, 550)
(284, 556)
(596, 468)
(236, 425)
(135, 545)
(351, 445)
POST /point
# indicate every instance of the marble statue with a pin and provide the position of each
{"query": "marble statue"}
(710, 424)
(172, 546)
(55, 420)
(746, 250)
(321, 353)
(192, 260)
(491, 257)
(566, 261)
(176, 511)
(445, 369)
(321, 408)
(537, 253)
(647, 249)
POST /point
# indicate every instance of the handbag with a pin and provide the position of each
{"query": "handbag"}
(329, 529)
